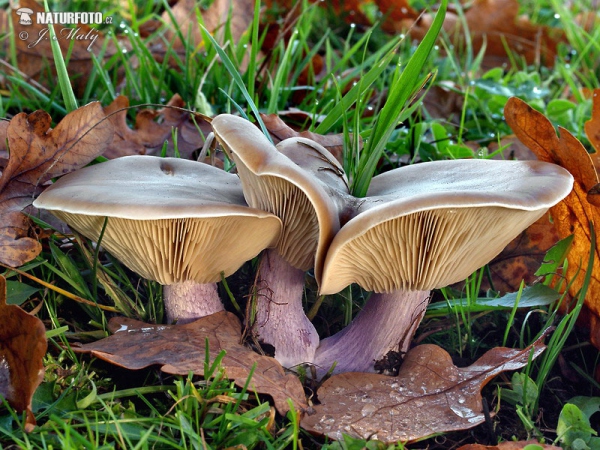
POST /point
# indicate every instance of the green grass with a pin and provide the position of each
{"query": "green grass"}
(85, 403)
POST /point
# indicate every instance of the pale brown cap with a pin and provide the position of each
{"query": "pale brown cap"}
(428, 225)
(273, 182)
(169, 220)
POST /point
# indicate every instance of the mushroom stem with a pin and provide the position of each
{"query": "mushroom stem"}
(280, 319)
(387, 322)
(188, 301)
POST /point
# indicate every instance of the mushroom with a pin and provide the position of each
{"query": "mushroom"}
(303, 199)
(181, 223)
(25, 16)
(422, 227)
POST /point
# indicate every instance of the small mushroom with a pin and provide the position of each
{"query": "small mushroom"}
(304, 202)
(422, 227)
(181, 223)
(25, 16)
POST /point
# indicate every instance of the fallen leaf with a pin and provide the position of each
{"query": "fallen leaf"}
(429, 395)
(574, 214)
(509, 445)
(497, 25)
(34, 53)
(153, 128)
(179, 349)
(37, 154)
(182, 21)
(279, 130)
(22, 348)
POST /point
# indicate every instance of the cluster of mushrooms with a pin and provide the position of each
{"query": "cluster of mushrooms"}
(185, 224)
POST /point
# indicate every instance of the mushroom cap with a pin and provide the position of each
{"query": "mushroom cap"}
(428, 225)
(169, 219)
(273, 182)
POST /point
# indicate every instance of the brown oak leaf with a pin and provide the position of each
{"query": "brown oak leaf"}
(153, 128)
(179, 349)
(279, 130)
(572, 216)
(37, 154)
(22, 348)
(429, 395)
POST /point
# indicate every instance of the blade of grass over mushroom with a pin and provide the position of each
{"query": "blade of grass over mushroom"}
(237, 78)
(400, 92)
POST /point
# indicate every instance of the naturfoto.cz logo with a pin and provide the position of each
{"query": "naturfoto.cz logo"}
(29, 17)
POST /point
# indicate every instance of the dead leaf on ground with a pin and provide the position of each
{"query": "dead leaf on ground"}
(34, 53)
(430, 395)
(153, 128)
(279, 130)
(182, 21)
(509, 445)
(574, 214)
(498, 25)
(22, 348)
(179, 349)
(37, 154)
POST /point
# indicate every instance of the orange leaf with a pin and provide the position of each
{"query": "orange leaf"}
(179, 349)
(429, 395)
(22, 346)
(574, 214)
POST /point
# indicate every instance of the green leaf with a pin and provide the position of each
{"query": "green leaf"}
(17, 292)
(554, 259)
(588, 405)
(531, 297)
(559, 106)
(523, 390)
(573, 425)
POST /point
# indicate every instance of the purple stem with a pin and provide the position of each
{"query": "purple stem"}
(280, 319)
(188, 301)
(387, 322)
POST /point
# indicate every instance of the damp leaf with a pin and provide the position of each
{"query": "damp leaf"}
(429, 395)
(179, 349)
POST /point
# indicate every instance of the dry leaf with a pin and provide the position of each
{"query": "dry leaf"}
(574, 214)
(430, 395)
(153, 128)
(22, 348)
(497, 25)
(182, 21)
(34, 53)
(279, 130)
(179, 349)
(37, 154)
